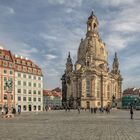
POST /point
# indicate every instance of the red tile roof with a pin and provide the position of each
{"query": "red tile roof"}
(52, 93)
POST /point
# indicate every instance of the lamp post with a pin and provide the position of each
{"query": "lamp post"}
(9, 88)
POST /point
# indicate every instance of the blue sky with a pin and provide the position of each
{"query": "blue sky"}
(46, 30)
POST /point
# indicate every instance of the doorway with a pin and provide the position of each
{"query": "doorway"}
(30, 108)
(88, 105)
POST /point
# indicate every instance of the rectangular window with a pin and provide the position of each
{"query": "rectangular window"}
(39, 85)
(29, 76)
(19, 90)
(34, 91)
(24, 83)
(19, 74)
(24, 75)
(24, 98)
(29, 99)
(39, 107)
(88, 88)
(39, 92)
(34, 77)
(5, 97)
(34, 99)
(39, 99)
(29, 92)
(11, 72)
(19, 82)
(19, 98)
(5, 71)
(24, 91)
(29, 84)
(24, 108)
(5, 79)
(39, 78)
(34, 84)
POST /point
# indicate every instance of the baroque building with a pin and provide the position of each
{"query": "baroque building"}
(90, 83)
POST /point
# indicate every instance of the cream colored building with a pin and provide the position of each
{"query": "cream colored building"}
(91, 83)
(28, 85)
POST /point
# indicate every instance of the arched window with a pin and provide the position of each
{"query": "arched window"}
(88, 88)
(94, 26)
(101, 50)
(98, 89)
(108, 92)
(87, 63)
(80, 88)
(115, 91)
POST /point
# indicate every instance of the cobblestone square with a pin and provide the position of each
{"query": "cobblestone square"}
(61, 125)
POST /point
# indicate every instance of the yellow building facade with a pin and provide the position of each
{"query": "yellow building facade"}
(91, 83)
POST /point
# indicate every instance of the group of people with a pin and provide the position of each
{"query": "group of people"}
(4, 110)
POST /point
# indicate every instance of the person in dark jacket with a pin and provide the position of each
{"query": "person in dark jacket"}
(131, 111)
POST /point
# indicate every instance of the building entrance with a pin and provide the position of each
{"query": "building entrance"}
(88, 105)
(30, 108)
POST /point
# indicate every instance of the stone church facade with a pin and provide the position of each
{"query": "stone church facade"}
(90, 83)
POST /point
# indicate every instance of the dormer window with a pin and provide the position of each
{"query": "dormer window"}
(23, 62)
(7, 57)
(18, 61)
(28, 63)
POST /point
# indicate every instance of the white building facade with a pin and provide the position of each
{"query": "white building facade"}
(28, 86)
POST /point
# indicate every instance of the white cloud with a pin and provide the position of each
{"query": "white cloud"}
(116, 3)
(131, 62)
(122, 26)
(117, 42)
(10, 10)
(5, 10)
(68, 3)
(47, 37)
(50, 56)
(69, 10)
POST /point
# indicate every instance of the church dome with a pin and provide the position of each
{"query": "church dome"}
(92, 46)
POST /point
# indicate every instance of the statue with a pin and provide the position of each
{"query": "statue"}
(9, 85)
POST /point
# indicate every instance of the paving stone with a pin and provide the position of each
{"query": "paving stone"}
(61, 125)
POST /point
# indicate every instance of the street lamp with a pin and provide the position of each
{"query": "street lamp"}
(9, 88)
(113, 100)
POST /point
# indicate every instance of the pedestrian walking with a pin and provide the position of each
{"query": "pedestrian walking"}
(2, 111)
(91, 110)
(78, 108)
(66, 108)
(131, 111)
(95, 109)
(19, 110)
